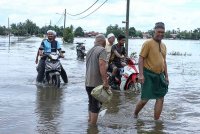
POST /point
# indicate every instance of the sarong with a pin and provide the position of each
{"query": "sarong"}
(154, 86)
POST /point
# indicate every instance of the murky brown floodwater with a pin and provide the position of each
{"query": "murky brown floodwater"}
(30, 109)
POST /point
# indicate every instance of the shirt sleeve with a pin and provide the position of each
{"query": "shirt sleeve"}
(145, 50)
(103, 55)
(58, 46)
(164, 52)
(113, 48)
(41, 46)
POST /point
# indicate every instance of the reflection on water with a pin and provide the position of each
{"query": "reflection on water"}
(92, 129)
(48, 109)
(150, 127)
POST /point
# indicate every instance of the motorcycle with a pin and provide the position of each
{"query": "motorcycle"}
(53, 69)
(127, 78)
(80, 49)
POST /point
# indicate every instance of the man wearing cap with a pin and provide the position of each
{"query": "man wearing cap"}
(109, 43)
(47, 46)
(153, 71)
(96, 74)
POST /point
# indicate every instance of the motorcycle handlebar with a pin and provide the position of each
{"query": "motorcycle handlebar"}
(48, 55)
(79, 43)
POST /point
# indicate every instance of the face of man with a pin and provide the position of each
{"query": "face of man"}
(122, 41)
(50, 36)
(159, 34)
(111, 40)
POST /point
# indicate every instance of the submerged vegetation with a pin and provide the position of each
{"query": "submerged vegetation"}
(176, 53)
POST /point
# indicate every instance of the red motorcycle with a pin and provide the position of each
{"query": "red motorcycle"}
(129, 77)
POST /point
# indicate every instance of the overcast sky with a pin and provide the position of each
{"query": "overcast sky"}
(183, 14)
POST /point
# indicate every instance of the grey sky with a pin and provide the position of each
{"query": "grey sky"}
(175, 14)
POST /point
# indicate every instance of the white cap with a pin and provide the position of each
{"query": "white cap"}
(51, 31)
(110, 35)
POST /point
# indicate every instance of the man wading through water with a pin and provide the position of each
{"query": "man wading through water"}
(96, 74)
(153, 71)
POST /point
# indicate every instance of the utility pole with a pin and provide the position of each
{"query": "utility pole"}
(127, 25)
(64, 18)
(9, 35)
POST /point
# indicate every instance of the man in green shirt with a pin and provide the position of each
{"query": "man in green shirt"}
(153, 71)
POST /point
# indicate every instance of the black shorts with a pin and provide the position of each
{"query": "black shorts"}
(94, 105)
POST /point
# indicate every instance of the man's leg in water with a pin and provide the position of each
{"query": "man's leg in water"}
(64, 75)
(114, 70)
(41, 69)
(139, 107)
(158, 108)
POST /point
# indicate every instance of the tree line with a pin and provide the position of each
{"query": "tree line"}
(28, 28)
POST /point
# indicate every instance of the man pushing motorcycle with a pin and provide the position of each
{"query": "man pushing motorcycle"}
(47, 46)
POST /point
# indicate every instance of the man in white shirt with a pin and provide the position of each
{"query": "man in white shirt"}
(109, 43)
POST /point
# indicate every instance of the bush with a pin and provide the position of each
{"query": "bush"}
(68, 35)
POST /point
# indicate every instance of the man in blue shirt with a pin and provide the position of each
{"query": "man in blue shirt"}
(47, 46)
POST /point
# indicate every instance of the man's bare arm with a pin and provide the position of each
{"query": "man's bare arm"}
(141, 65)
(165, 72)
(117, 54)
(103, 71)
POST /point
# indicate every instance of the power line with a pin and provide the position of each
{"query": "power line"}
(59, 20)
(93, 11)
(84, 10)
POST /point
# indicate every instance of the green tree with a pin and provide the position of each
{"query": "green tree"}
(21, 29)
(3, 30)
(132, 32)
(139, 34)
(151, 32)
(59, 30)
(116, 30)
(68, 35)
(78, 32)
(195, 34)
(14, 29)
(30, 27)
(168, 34)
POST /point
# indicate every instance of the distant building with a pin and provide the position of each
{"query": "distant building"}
(173, 36)
(146, 35)
(91, 34)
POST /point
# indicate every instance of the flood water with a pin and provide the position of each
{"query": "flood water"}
(26, 108)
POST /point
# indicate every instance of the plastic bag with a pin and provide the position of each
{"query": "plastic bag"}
(102, 95)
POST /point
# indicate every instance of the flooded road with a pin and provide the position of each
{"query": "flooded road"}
(29, 109)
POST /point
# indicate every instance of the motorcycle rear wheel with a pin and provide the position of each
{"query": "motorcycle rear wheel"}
(136, 87)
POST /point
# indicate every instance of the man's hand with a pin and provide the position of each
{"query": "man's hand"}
(62, 55)
(167, 80)
(141, 78)
(123, 64)
(36, 61)
(106, 85)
